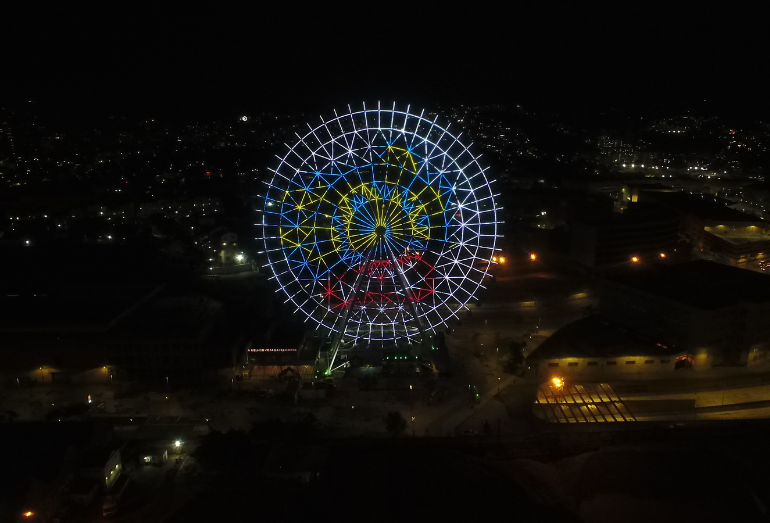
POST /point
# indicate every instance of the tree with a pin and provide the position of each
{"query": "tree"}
(394, 423)
(514, 357)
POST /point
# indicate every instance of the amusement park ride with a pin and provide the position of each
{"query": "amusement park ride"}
(379, 225)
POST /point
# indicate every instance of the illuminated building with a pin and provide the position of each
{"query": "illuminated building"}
(730, 236)
(281, 343)
(644, 230)
(716, 313)
(113, 334)
(596, 348)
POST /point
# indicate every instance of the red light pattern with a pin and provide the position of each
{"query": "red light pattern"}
(382, 270)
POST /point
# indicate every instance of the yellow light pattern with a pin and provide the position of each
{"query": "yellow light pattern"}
(342, 214)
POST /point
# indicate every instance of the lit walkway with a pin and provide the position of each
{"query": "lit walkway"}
(586, 403)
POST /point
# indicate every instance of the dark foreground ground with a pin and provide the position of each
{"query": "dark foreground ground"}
(635, 472)
(711, 480)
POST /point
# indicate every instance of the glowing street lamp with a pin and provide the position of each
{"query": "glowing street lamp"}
(28, 514)
(663, 255)
(533, 256)
(634, 259)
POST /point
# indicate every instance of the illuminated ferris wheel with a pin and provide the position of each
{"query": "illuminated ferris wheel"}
(379, 225)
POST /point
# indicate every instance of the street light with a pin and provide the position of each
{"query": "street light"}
(28, 514)
(634, 259)
(412, 426)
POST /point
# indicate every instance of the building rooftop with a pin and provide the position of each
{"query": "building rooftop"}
(172, 317)
(284, 332)
(637, 214)
(743, 234)
(72, 308)
(596, 337)
(653, 186)
(705, 207)
(701, 284)
(96, 457)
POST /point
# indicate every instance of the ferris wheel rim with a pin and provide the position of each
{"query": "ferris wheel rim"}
(443, 298)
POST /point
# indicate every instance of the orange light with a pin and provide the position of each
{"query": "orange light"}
(494, 258)
(663, 255)
(502, 259)
(635, 259)
(29, 514)
(533, 256)
(557, 382)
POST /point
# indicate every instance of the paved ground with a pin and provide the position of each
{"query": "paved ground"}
(514, 309)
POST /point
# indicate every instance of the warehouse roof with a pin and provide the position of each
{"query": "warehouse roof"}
(701, 284)
(596, 337)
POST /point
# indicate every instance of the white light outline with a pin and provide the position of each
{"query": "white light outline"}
(464, 257)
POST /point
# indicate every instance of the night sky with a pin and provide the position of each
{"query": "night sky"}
(236, 61)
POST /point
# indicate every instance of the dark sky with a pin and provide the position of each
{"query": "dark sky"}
(234, 61)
